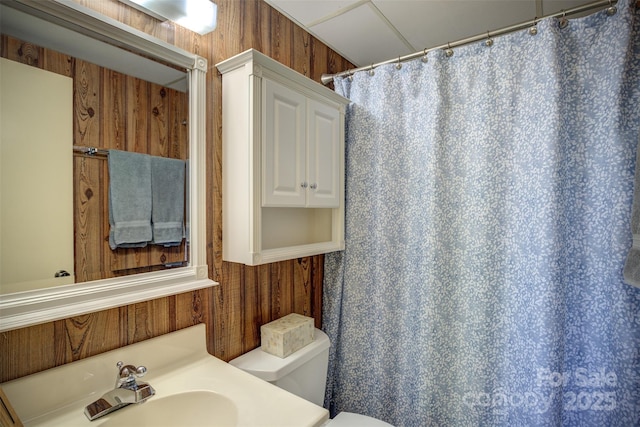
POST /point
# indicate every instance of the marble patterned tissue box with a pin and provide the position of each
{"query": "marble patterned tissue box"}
(286, 335)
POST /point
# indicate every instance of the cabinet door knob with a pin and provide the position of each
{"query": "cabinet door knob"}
(314, 186)
(303, 185)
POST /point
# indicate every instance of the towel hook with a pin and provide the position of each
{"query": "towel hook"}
(489, 41)
(611, 10)
(449, 51)
(398, 64)
(533, 30)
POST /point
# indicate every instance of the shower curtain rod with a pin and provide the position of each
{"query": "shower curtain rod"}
(611, 10)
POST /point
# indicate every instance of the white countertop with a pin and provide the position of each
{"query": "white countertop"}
(177, 363)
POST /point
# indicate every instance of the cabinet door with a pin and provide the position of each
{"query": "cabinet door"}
(283, 148)
(323, 164)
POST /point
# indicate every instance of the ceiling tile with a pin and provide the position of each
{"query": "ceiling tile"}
(305, 12)
(427, 24)
(553, 6)
(361, 36)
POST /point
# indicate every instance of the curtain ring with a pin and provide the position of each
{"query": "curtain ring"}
(489, 41)
(424, 56)
(371, 71)
(349, 75)
(563, 22)
(449, 51)
(398, 65)
(533, 30)
(611, 10)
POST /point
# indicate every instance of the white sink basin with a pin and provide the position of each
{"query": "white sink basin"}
(189, 409)
(192, 388)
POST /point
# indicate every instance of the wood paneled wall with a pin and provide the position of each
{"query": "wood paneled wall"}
(247, 296)
(115, 111)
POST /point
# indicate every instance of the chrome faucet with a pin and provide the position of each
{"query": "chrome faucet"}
(127, 391)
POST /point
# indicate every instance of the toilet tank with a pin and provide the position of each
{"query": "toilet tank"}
(303, 373)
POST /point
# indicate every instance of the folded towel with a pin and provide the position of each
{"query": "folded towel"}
(631, 271)
(167, 189)
(129, 199)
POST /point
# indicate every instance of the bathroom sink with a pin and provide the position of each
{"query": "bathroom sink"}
(192, 388)
(189, 409)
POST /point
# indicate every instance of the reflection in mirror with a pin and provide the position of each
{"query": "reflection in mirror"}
(36, 219)
(115, 106)
(112, 110)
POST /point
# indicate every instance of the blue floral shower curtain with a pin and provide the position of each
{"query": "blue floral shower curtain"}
(487, 222)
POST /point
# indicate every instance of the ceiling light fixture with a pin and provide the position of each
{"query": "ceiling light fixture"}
(196, 15)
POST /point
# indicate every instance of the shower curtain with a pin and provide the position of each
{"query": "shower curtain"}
(488, 203)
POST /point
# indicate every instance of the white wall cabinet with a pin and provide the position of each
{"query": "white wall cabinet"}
(301, 149)
(282, 162)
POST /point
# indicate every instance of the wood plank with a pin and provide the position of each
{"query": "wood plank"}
(317, 277)
(302, 297)
(178, 125)
(265, 292)
(251, 302)
(228, 38)
(234, 309)
(23, 52)
(159, 120)
(88, 212)
(282, 288)
(149, 319)
(318, 62)
(301, 51)
(264, 31)
(137, 114)
(57, 62)
(26, 351)
(86, 335)
(281, 29)
(88, 208)
(87, 88)
(114, 118)
(190, 308)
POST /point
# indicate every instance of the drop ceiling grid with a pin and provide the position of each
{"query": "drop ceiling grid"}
(371, 31)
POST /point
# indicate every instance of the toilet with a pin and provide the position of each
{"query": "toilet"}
(303, 373)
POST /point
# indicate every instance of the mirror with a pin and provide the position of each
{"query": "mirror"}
(88, 27)
(27, 154)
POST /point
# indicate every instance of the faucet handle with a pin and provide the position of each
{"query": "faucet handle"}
(124, 371)
(127, 374)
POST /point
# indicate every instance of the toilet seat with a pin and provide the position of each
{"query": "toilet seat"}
(348, 419)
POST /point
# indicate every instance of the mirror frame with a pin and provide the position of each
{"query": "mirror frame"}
(22, 309)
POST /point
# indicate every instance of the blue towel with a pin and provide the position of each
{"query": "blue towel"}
(129, 199)
(167, 187)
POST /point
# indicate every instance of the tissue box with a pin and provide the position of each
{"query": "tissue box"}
(287, 334)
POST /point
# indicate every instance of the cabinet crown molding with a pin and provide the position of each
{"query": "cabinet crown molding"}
(263, 66)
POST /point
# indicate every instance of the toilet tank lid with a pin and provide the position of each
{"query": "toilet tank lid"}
(271, 368)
